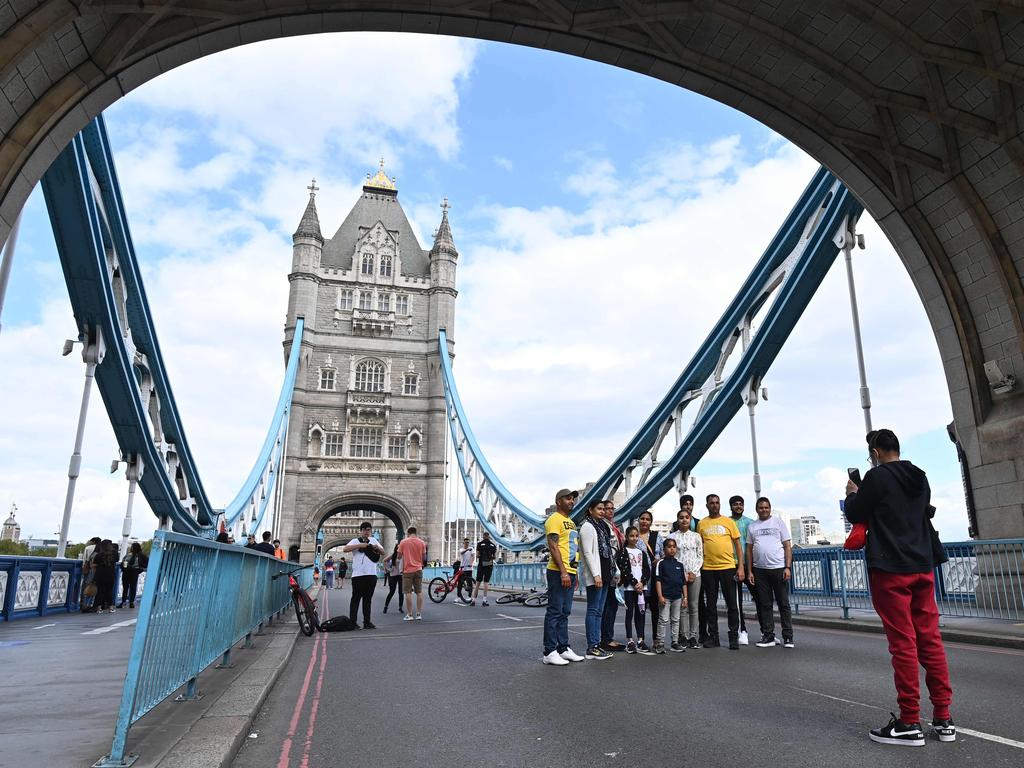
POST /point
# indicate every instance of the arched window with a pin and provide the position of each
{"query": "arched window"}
(385, 266)
(367, 264)
(370, 376)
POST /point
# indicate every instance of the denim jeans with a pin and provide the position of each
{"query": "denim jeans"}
(611, 610)
(556, 618)
(595, 611)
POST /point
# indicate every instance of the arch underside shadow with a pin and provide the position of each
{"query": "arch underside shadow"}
(922, 124)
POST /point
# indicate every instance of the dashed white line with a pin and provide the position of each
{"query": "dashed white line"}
(506, 616)
(44, 626)
(960, 729)
(111, 628)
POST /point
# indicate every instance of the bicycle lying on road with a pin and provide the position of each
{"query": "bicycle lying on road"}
(441, 586)
(532, 599)
(305, 607)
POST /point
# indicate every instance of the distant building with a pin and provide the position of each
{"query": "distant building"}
(806, 530)
(662, 526)
(41, 543)
(11, 531)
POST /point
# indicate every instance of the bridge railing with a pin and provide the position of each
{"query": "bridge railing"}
(37, 586)
(982, 579)
(520, 575)
(203, 597)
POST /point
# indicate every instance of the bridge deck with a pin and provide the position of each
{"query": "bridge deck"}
(466, 687)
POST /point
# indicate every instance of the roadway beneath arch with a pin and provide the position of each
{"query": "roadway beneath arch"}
(466, 687)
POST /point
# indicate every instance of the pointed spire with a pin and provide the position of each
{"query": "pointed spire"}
(443, 236)
(309, 226)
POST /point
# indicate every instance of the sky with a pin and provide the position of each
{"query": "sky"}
(604, 221)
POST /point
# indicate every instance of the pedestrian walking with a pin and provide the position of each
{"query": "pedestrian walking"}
(770, 558)
(562, 539)
(367, 552)
(902, 552)
(329, 572)
(412, 551)
(342, 570)
(132, 566)
(393, 578)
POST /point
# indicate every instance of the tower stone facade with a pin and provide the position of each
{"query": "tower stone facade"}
(368, 430)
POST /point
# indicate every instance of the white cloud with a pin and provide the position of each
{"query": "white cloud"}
(503, 162)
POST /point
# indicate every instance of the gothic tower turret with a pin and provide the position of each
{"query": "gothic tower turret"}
(443, 259)
(307, 248)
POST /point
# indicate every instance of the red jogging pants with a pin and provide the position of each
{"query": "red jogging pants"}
(906, 604)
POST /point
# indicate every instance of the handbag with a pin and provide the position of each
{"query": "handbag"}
(857, 537)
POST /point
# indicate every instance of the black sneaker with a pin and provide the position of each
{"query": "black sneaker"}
(641, 647)
(678, 648)
(598, 653)
(712, 642)
(660, 649)
(734, 645)
(369, 625)
(944, 729)
(766, 641)
(631, 646)
(692, 643)
(898, 733)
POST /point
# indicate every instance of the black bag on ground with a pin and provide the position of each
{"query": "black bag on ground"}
(338, 624)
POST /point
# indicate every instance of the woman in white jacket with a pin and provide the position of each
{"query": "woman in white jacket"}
(592, 577)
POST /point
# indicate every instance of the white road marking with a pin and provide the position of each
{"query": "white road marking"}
(44, 626)
(348, 636)
(506, 616)
(959, 729)
(111, 628)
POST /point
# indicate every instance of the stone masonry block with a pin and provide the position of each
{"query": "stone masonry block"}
(996, 474)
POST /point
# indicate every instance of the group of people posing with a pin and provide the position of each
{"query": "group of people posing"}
(674, 579)
(100, 560)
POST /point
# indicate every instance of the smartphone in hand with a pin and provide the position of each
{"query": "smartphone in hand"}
(854, 474)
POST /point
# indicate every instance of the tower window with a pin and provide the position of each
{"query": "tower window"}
(396, 447)
(411, 384)
(345, 299)
(384, 302)
(402, 304)
(365, 300)
(366, 443)
(367, 264)
(332, 443)
(327, 378)
(385, 266)
(370, 376)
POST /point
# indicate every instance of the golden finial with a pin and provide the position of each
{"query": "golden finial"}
(380, 180)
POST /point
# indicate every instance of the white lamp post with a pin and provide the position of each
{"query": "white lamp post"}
(92, 355)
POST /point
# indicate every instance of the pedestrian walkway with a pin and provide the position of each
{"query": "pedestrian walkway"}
(465, 686)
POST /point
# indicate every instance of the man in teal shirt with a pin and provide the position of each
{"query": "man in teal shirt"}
(736, 507)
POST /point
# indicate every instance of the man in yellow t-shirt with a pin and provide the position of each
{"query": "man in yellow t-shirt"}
(722, 552)
(563, 542)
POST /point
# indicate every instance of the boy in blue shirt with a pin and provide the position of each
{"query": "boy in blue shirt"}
(670, 578)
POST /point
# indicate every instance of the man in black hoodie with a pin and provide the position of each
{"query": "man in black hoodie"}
(902, 552)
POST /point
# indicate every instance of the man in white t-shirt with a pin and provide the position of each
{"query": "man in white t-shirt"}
(367, 553)
(770, 557)
(466, 557)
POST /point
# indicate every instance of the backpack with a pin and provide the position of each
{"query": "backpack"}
(338, 624)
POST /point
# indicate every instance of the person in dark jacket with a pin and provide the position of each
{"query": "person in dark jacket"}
(635, 574)
(902, 551)
(134, 563)
(104, 565)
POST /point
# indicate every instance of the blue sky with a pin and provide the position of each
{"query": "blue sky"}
(604, 221)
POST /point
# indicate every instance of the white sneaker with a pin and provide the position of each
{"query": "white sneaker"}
(419, 617)
(744, 640)
(485, 601)
(407, 617)
(555, 658)
(570, 655)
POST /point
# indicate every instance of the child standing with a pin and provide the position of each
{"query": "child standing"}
(635, 567)
(690, 552)
(669, 584)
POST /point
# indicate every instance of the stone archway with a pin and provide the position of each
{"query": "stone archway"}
(919, 113)
(379, 504)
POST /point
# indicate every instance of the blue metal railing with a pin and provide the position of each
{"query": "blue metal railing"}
(982, 579)
(203, 597)
(37, 586)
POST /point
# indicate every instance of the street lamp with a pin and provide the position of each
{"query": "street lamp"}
(93, 351)
(847, 241)
(133, 472)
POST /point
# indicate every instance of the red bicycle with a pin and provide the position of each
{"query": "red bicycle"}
(440, 586)
(305, 607)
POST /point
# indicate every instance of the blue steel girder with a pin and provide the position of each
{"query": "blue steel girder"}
(109, 302)
(777, 290)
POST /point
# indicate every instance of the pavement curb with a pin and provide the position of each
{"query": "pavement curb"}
(950, 635)
(216, 737)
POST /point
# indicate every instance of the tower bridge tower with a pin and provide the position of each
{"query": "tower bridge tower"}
(368, 428)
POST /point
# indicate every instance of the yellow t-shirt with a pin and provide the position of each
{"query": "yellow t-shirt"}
(568, 540)
(718, 536)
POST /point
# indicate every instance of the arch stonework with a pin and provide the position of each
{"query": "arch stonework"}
(303, 530)
(918, 109)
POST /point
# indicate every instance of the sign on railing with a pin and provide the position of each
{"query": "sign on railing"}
(202, 598)
(37, 586)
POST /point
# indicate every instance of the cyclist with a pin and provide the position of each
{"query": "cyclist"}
(466, 557)
(485, 553)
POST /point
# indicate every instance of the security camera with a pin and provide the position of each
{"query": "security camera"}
(69, 344)
(114, 465)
